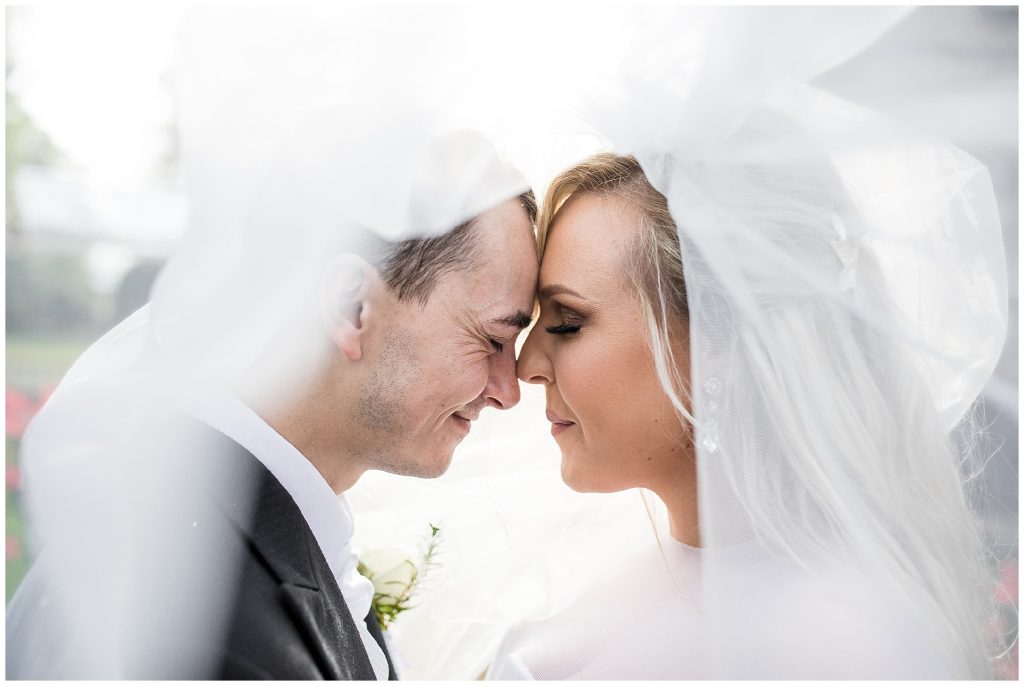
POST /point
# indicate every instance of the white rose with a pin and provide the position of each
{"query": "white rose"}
(390, 570)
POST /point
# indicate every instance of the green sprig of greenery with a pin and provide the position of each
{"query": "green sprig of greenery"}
(388, 604)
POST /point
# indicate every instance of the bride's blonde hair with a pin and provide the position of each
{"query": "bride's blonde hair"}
(653, 264)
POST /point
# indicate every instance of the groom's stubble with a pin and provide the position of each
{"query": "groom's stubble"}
(382, 411)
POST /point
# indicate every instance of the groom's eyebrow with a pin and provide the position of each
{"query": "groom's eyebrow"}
(518, 320)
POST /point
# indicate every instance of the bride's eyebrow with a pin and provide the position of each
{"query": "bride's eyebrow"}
(557, 289)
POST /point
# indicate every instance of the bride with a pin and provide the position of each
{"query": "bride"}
(823, 520)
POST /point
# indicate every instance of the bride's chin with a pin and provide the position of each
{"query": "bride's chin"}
(569, 476)
(577, 480)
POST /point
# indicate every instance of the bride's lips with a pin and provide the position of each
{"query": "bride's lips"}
(558, 425)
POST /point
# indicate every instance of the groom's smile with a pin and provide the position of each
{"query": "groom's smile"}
(434, 364)
(462, 423)
(464, 418)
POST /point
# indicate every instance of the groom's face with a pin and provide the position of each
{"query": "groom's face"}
(435, 366)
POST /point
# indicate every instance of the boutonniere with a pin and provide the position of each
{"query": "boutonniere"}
(396, 577)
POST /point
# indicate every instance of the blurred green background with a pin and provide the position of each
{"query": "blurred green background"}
(53, 315)
(80, 256)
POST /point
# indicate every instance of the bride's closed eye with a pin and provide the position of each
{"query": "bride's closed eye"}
(571, 323)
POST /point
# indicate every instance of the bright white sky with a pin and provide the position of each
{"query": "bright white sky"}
(97, 80)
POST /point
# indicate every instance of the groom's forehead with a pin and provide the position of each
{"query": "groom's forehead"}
(492, 287)
(491, 313)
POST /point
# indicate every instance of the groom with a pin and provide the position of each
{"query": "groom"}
(412, 340)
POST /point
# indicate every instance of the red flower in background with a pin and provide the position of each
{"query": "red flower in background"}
(13, 477)
(1009, 582)
(1005, 668)
(1005, 623)
(20, 409)
(13, 547)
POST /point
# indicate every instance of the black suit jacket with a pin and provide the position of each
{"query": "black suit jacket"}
(231, 584)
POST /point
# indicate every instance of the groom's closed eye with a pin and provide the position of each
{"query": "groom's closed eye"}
(515, 323)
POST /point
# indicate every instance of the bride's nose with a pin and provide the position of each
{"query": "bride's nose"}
(533, 365)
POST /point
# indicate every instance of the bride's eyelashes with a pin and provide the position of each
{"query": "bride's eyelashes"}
(571, 323)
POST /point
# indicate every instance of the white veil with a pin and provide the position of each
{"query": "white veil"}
(846, 286)
(843, 319)
(847, 291)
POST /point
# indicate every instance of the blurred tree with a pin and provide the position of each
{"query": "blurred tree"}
(26, 142)
(48, 293)
(168, 165)
(134, 289)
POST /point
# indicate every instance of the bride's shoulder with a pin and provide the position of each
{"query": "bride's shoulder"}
(841, 621)
(594, 632)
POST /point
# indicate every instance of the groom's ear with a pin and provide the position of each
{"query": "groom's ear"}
(349, 288)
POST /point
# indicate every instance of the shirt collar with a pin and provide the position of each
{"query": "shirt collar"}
(326, 513)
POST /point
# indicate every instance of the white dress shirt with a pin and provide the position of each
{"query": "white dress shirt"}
(326, 513)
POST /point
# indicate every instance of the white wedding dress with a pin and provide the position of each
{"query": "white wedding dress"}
(644, 621)
(622, 627)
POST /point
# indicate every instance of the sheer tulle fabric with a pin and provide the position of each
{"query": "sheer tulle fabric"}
(846, 284)
(847, 295)
(838, 339)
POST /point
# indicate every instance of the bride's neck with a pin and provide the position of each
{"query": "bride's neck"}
(684, 531)
(680, 498)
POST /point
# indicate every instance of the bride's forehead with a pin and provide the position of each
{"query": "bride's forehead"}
(593, 232)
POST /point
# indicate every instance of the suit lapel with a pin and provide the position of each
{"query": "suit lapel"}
(268, 516)
(334, 642)
(378, 636)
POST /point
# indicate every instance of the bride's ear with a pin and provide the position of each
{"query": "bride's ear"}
(348, 290)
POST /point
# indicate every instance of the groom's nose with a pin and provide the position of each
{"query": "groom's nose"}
(502, 390)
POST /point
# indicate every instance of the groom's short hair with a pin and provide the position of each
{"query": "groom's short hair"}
(412, 267)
